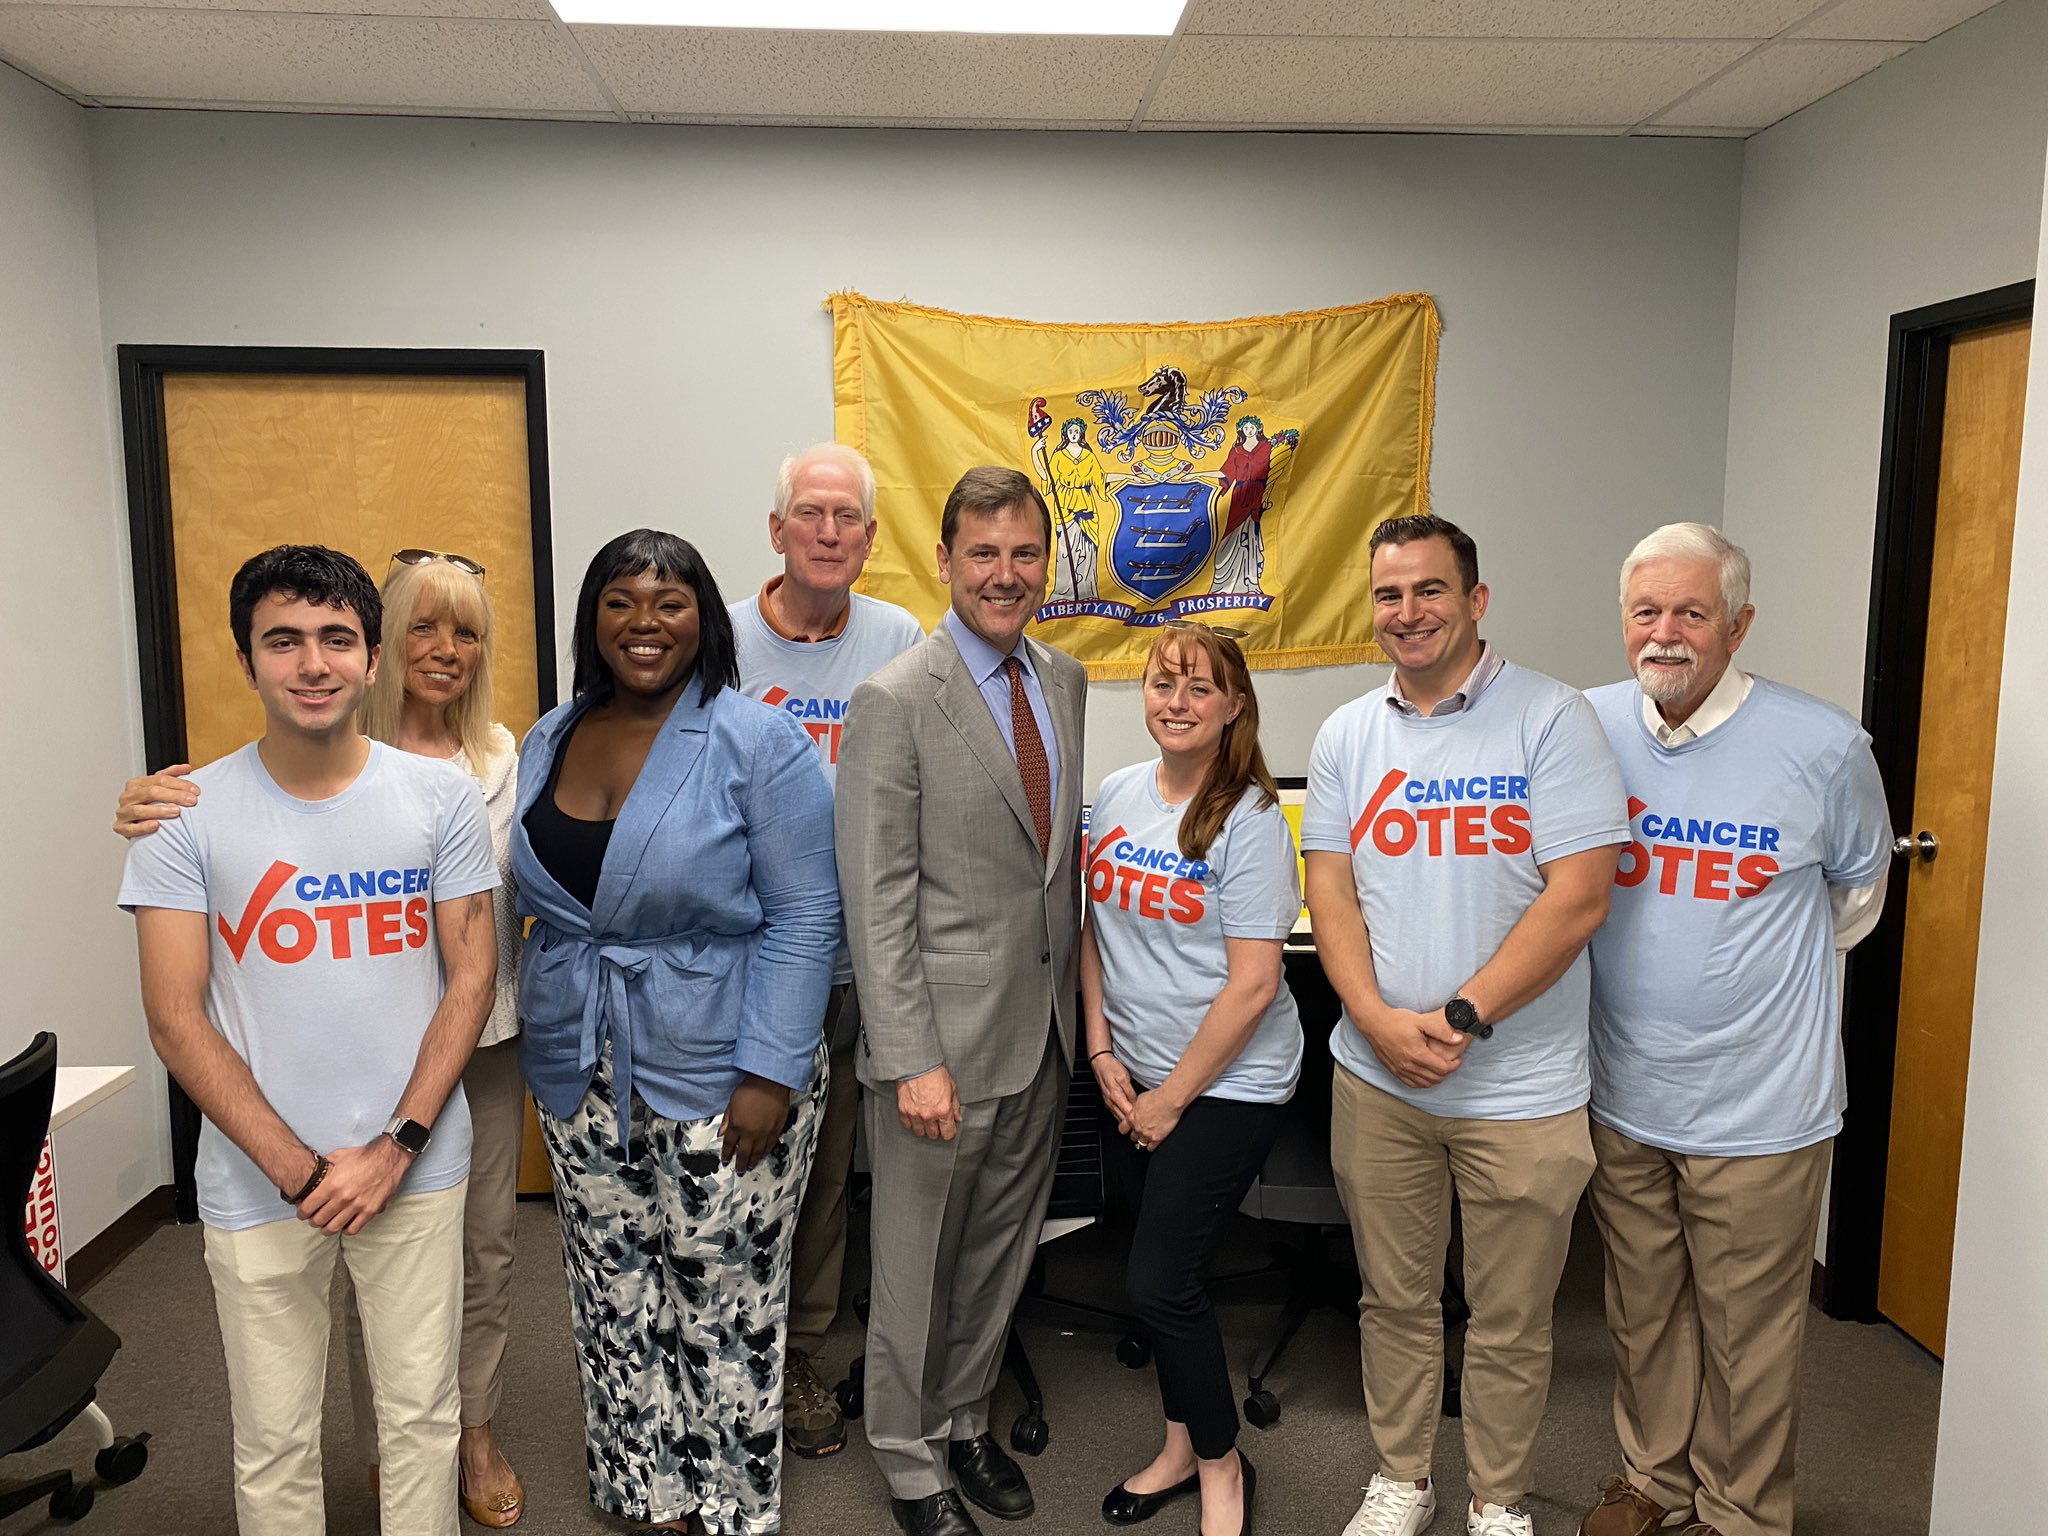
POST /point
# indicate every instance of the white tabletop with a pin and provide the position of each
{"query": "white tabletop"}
(79, 1088)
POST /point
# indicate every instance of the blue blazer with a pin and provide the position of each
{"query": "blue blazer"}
(709, 950)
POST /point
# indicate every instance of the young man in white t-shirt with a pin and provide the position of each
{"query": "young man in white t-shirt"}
(805, 642)
(1460, 835)
(318, 959)
(1762, 840)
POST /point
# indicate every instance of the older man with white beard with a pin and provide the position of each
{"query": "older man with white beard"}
(1761, 845)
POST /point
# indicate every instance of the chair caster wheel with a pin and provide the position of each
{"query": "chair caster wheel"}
(1454, 1399)
(1262, 1410)
(1029, 1435)
(71, 1503)
(123, 1461)
(851, 1394)
(1134, 1351)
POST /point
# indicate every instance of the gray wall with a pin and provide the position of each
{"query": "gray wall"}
(674, 278)
(1994, 1394)
(67, 691)
(1919, 183)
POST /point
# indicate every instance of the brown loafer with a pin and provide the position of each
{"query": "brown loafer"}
(503, 1508)
(1623, 1510)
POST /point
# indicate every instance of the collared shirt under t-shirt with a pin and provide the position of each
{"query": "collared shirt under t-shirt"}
(1716, 1024)
(323, 970)
(1447, 820)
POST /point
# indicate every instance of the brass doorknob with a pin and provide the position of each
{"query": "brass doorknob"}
(1920, 847)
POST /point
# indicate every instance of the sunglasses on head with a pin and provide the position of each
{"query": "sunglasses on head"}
(426, 556)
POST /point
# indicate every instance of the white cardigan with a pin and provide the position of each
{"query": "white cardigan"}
(500, 781)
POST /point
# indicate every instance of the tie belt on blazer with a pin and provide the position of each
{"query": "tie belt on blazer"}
(607, 1016)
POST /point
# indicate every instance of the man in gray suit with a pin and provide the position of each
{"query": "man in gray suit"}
(958, 836)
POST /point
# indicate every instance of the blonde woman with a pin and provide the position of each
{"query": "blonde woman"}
(432, 696)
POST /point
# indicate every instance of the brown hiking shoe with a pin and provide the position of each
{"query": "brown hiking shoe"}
(812, 1425)
(1622, 1511)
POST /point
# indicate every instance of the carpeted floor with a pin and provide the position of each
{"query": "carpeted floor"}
(1866, 1455)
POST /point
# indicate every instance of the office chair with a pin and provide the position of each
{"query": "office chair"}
(52, 1351)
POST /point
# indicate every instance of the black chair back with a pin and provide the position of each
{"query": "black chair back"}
(52, 1350)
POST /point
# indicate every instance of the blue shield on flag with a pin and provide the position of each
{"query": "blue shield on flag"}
(1163, 537)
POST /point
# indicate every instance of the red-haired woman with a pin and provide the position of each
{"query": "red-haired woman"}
(1192, 1034)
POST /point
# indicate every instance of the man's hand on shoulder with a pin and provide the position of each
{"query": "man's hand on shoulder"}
(153, 798)
(929, 1105)
(359, 1184)
(1420, 1049)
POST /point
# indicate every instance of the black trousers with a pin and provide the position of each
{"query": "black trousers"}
(1184, 1190)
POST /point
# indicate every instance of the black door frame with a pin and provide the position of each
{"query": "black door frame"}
(143, 369)
(1909, 476)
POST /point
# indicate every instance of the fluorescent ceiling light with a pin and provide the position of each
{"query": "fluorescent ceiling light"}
(1100, 18)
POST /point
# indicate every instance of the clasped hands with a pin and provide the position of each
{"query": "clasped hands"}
(1421, 1049)
(1147, 1117)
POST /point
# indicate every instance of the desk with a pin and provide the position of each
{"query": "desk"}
(78, 1090)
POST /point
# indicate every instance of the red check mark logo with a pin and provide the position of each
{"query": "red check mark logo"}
(259, 900)
(1107, 838)
(1372, 807)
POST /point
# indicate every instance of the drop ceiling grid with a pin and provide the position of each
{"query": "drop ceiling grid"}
(1714, 67)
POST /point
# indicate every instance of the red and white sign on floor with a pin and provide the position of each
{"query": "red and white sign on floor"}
(41, 1218)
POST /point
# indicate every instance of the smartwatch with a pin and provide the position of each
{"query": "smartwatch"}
(1462, 1016)
(411, 1136)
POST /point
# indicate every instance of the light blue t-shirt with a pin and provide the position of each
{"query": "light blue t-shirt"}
(1448, 820)
(812, 681)
(1161, 920)
(1716, 1024)
(324, 970)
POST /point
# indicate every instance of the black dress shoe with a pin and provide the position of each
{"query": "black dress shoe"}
(1251, 1483)
(1120, 1506)
(941, 1514)
(989, 1478)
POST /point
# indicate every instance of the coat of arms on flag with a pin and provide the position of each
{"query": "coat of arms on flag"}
(1229, 471)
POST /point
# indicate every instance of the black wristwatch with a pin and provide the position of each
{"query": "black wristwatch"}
(1462, 1016)
(410, 1135)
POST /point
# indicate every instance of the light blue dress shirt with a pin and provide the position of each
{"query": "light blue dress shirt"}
(985, 666)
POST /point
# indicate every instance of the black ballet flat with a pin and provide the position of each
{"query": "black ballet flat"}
(1251, 1483)
(1120, 1506)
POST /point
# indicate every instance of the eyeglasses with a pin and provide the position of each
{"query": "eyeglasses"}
(428, 556)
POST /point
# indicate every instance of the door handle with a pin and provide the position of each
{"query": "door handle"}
(1916, 847)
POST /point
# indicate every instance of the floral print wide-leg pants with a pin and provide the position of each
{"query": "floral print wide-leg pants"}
(678, 1285)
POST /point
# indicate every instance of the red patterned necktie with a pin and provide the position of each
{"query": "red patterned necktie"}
(1030, 755)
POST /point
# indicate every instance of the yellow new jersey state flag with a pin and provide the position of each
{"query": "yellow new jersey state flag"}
(1229, 472)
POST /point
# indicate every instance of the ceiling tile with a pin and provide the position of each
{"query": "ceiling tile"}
(1776, 81)
(746, 75)
(509, 10)
(335, 61)
(1497, 18)
(1902, 20)
(1414, 81)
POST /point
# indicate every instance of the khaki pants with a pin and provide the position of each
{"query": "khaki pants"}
(1518, 1182)
(1709, 1261)
(818, 1259)
(271, 1287)
(496, 1091)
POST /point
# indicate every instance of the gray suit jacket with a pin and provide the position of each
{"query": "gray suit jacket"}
(965, 940)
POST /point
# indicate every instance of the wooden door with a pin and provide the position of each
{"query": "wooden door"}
(1974, 509)
(367, 464)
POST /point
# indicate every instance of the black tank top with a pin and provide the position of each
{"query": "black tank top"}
(570, 849)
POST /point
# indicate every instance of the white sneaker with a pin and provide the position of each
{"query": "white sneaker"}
(1393, 1509)
(1498, 1520)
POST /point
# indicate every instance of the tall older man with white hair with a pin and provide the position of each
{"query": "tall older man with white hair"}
(1760, 850)
(805, 642)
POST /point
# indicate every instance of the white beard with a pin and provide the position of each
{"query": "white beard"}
(1661, 683)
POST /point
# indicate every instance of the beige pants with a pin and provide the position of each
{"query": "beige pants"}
(818, 1259)
(1518, 1182)
(1709, 1261)
(271, 1286)
(497, 1117)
